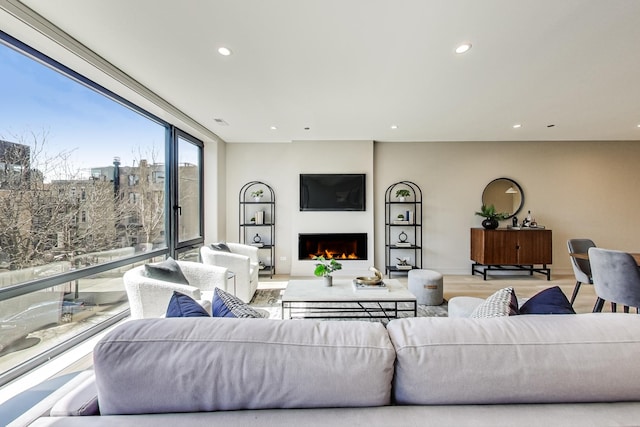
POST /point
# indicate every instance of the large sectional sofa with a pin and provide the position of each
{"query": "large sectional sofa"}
(547, 370)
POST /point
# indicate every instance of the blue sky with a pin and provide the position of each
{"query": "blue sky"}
(35, 98)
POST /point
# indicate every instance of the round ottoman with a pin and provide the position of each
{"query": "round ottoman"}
(427, 286)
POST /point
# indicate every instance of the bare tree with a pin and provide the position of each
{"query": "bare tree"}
(146, 197)
(49, 211)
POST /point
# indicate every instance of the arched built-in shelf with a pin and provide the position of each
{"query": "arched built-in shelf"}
(403, 228)
(257, 223)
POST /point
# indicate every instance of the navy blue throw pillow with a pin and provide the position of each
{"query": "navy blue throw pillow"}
(549, 301)
(182, 305)
(167, 271)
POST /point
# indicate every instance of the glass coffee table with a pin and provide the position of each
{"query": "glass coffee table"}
(311, 299)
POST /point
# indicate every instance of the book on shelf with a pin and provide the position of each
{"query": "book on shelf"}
(403, 244)
(357, 286)
(258, 245)
(404, 267)
(400, 222)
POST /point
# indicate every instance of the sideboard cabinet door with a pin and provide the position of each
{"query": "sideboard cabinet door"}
(534, 246)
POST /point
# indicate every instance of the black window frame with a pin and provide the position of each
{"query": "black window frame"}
(171, 249)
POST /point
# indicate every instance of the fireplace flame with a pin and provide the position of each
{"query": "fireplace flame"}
(332, 255)
(333, 246)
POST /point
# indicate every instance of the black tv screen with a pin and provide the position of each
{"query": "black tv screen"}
(332, 192)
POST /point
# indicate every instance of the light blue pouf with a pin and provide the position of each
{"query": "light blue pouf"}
(427, 286)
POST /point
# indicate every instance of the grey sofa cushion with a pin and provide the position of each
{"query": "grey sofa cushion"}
(518, 359)
(200, 364)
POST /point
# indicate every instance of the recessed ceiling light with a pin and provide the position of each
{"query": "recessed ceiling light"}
(463, 48)
(638, 126)
(517, 126)
(224, 51)
(273, 128)
(394, 126)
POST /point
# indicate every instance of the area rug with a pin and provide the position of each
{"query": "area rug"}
(271, 300)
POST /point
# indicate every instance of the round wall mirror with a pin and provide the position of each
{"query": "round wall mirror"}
(505, 194)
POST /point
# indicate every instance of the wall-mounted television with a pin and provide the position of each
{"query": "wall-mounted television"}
(332, 192)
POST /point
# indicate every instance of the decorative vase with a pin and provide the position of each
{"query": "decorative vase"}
(490, 223)
(327, 280)
(402, 199)
(257, 199)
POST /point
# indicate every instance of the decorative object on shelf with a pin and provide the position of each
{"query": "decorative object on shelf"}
(402, 194)
(491, 217)
(257, 241)
(376, 280)
(325, 267)
(257, 195)
(401, 219)
(403, 264)
(402, 237)
(259, 216)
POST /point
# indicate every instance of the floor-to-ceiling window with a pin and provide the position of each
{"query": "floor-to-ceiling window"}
(189, 232)
(84, 196)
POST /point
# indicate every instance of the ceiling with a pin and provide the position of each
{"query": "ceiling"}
(350, 69)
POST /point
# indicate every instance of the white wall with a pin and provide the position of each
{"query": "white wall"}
(215, 191)
(279, 165)
(577, 189)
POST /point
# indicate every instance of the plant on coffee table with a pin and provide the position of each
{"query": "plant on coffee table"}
(325, 267)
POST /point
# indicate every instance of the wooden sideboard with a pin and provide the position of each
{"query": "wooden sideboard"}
(516, 250)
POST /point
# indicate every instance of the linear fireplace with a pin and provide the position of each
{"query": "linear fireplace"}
(343, 246)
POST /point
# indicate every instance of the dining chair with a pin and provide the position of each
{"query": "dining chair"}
(616, 278)
(581, 267)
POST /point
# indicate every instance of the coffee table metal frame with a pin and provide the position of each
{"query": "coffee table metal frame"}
(310, 299)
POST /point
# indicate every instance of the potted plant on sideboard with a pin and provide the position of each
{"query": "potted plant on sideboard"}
(491, 216)
(325, 267)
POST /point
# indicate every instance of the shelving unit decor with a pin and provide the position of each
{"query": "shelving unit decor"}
(403, 228)
(257, 210)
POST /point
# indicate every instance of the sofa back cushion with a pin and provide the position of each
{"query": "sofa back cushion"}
(518, 359)
(211, 364)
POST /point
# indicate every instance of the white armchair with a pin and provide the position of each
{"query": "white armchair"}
(242, 261)
(150, 297)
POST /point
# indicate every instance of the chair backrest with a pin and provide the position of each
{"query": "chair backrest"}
(616, 276)
(581, 267)
(150, 297)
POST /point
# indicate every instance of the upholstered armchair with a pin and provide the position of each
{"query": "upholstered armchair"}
(150, 297)
(242, 260)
